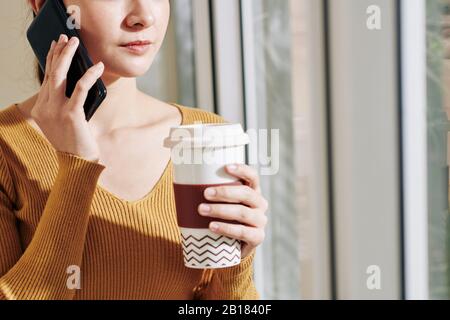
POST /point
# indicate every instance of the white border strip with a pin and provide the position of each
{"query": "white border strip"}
(415, 147)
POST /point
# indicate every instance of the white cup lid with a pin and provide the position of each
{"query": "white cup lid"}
(207, 136)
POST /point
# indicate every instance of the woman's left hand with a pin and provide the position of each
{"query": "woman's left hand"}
(244, 204)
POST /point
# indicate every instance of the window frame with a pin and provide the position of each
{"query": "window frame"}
(414, 122)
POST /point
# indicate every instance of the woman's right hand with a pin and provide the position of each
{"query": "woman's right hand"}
(62, 119)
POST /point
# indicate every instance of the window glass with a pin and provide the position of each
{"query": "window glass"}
(438, 86)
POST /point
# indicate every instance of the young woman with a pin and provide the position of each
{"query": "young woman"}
(87, 208)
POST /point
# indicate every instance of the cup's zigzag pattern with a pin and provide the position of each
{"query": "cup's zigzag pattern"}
(215, 247)
(210, 251)
(205, 250)
(225, 261)
(199, 242)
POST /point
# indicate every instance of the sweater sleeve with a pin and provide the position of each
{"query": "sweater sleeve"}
(40, 271)
(235, 283)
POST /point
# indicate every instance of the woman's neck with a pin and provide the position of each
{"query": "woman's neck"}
(120, 109)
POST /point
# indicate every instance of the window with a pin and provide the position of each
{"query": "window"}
(284, 82)
(273, 48)
(438, 114)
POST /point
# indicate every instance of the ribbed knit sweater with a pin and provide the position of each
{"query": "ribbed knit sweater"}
(54, 217)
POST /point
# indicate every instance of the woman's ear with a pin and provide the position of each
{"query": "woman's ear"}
(36, 5)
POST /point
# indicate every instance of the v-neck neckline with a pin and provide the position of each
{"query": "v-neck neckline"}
(33, 131)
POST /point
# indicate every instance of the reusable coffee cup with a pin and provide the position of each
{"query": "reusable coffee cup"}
(199, 154)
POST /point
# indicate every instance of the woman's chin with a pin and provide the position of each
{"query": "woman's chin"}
(134, 73)
(131, 71)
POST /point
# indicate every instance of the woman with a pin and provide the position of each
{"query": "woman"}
(87, 209)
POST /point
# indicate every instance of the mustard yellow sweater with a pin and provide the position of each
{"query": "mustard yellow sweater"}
(53, 215)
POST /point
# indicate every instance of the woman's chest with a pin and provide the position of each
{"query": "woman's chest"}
(134, 166)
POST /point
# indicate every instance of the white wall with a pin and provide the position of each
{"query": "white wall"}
(18, 78)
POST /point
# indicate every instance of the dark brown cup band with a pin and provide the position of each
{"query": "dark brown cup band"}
(188, 198)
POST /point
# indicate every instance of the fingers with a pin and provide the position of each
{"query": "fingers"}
(252, 236)
(236, 194)
(48, 63)
(60, 62)
(85, 84)
(247, 173)
(60, 46)
(231, 212)
(55, 76)
(65, 58)
(43, 96)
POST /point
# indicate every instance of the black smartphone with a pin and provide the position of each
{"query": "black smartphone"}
(52, 21)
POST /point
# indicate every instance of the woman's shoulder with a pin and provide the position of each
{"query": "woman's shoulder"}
(192, 115)
(14, 131)
(5, 111)
(9, 121)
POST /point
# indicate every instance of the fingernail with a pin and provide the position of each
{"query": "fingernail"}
(232, 167)
(205, 208)
(214, 226)
(53, 44)
(60, 38)
(210, 192)
(72, 40)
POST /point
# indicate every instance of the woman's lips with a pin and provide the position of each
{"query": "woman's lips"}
(137, 47)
